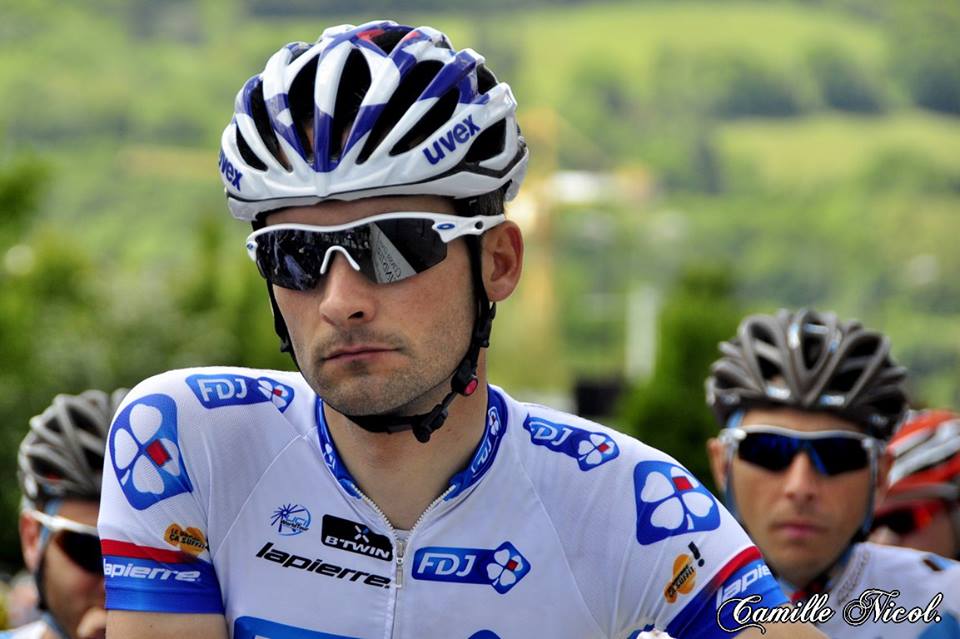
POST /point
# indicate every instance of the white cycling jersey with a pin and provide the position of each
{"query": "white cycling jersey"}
(878, 580)
(224, 493)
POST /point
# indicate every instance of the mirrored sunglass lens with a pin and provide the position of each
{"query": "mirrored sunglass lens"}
(386, 251)
(841, 454)
(401, 248)
(82, 549)
(768, 450)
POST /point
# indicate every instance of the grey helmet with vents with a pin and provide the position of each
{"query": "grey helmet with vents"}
(810, 361)
(62, 454)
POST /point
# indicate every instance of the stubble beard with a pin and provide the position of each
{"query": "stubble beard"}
(361, 388)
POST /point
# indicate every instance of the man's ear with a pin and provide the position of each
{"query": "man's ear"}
(717, 453)
(30, 541)
(502, 260)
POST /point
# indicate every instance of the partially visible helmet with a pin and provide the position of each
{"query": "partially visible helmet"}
(62, 454)
(378, 109)
(926, 456)
(810, 361)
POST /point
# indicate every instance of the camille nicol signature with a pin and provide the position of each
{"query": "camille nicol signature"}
(873, 604)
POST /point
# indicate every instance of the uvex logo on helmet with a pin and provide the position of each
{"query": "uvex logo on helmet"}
(457, 134)
(229, 171)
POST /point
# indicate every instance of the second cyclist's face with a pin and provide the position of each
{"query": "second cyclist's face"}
(74, 596)
(371, 348)
(801, 520)
(936, 535)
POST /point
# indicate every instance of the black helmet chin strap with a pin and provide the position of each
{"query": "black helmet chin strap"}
(463, 379)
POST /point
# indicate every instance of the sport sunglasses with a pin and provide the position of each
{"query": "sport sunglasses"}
(773, 447)
(909, 517)
(79, 542)
(385, 248)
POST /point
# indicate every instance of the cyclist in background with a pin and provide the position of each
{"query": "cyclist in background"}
(59, 467)
(922, 506)
(806, 403)
(385, 489)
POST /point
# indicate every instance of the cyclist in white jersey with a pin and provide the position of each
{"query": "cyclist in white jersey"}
(59, 465)
(330, 503)
(806, 382)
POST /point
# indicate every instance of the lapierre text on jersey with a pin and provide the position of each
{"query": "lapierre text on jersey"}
(873, 604)
(289, 560)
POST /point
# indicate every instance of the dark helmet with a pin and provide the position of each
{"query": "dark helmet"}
(62, 454)
(810, 361)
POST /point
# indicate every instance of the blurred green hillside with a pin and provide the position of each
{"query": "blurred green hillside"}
(809, 150)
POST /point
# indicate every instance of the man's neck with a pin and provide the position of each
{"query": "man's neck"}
(401, 475)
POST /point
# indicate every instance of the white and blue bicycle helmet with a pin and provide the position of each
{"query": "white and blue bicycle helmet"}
(375, 109)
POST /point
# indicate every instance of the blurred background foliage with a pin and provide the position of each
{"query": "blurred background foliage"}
(691, 162)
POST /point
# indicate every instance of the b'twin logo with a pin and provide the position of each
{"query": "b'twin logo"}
(457, 134)
(355, 537)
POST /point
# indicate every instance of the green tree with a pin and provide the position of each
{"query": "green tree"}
(668, 410)
(926, 52)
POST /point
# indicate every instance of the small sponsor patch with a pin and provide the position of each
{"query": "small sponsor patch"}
(190, 540)
(216, 391)
(355, 537)
(683, 579)
(589, 448)
(291, 519)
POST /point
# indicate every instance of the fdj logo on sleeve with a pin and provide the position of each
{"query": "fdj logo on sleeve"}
(590, 449)
(215, 391)
(670, 501)
(145, 453)
(501, 568)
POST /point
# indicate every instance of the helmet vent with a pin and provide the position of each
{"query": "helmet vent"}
(812, 350)
(260, 117)
(412, 85)
(488, 144)
(247, 153)
(301, 102)
(438, 115)
(354, 84)
(844, 381)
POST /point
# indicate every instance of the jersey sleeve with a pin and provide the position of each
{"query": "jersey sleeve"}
(153, 522)
(686, 556)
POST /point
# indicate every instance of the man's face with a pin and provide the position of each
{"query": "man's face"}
(800, 519)
(75, 597)
(371, 348)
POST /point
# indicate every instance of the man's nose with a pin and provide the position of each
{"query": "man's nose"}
(346, 295)
(801, 479)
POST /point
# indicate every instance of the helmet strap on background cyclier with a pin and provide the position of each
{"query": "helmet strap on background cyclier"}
(463, 380)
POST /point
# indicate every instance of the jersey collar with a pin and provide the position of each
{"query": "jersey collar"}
(480, 463)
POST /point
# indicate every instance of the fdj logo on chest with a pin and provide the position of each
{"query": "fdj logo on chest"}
(502, 568)
(457, 134)
(229, 171)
